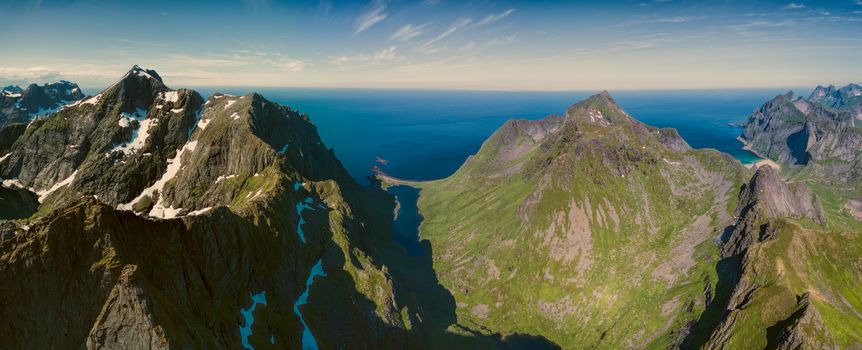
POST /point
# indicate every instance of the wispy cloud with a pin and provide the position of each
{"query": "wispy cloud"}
(745, 27)
(409, 31)
(794, 6)
(430, 46)
(495, 17)
(375, 13)
(677, 19)
(386, 55)
(241, 58)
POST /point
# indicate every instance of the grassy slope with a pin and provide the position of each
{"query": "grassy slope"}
(507, 274)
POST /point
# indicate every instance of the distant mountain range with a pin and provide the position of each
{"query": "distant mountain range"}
(148, 217)
(22, 105)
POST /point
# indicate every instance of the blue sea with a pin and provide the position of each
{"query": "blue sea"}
(428, 134)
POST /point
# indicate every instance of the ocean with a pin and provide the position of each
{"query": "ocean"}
(428, 134)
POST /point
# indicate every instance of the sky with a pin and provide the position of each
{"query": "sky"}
(436, 44)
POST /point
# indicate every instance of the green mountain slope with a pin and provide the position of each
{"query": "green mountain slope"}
(597, 231)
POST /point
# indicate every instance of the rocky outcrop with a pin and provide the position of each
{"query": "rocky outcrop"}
(803, 329)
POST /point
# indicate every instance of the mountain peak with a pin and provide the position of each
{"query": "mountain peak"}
(136, 70)
(599, 109)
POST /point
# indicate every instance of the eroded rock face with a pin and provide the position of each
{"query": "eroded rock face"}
(778, 198)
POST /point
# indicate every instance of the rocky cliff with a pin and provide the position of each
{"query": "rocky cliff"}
(820, 133)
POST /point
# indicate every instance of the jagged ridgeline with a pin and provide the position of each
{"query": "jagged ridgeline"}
(597, 231)
(147, 217)
(820, 135)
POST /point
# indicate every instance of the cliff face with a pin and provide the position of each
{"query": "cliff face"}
(167, 221)
(821, 133)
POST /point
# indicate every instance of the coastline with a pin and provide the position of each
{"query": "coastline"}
(763, 161)
(387, 181)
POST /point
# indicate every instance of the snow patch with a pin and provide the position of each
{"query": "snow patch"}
(45, 193)
(234, 116)
(4, 157)
(13, 183)
(171, 96)
(597, 117)
(177, 110)
(139, 135)
(200, 212)
(229, 103)
(92, 100)
(174, 166)
(222, 178)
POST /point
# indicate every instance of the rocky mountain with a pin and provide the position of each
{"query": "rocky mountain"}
(820, 134)
(847, 98)
(147, 217)
(23, 105)
(598, 231)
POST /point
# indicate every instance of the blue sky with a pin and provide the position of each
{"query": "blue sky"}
(441, 44)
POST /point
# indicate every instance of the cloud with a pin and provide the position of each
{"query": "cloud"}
(857, 2)
(493, 18)
(408, 32)
(24, 76)
(677, 19)
(241, 58)
(375, 13)
(385, 55)
(431, 46)
(794, 6)
(759, 24)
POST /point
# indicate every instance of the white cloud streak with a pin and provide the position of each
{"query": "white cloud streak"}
(409, 31)
(494, 18)
(386, 55)
(375, 13)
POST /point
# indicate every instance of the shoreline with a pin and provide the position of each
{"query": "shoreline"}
(763, 160)
(387, 181)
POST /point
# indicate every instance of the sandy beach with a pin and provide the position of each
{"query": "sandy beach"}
(759, 163)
